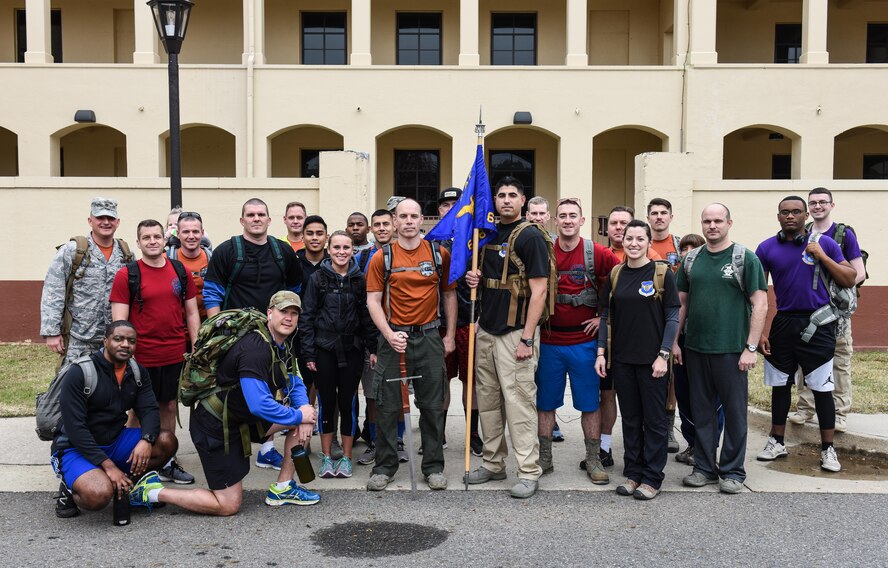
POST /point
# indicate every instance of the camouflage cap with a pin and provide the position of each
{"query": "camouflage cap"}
(103, 207)
(393, 202)
(285, 299)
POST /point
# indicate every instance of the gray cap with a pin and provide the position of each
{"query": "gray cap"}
(103, 207)
(393, 202)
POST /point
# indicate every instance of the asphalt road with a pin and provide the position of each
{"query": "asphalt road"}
(455, 528)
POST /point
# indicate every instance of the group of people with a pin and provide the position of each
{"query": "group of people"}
(653, 322)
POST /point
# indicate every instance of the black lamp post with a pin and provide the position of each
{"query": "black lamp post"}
(171, 20)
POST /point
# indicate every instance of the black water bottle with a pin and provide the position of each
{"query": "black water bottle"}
(121, 509)
(303, 466)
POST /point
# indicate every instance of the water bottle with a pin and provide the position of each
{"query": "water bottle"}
(121, 509)
(303, 466)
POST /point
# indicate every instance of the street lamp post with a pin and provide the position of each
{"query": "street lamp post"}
(171, 19)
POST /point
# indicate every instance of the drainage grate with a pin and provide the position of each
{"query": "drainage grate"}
(376, 539)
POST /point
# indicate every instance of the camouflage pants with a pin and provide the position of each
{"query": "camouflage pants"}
(76, 349)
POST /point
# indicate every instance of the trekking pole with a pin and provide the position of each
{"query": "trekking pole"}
(408, 424)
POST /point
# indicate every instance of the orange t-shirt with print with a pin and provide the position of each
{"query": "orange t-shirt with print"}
(414, 299)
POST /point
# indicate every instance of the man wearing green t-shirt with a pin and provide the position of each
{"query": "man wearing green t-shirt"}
(725, 315)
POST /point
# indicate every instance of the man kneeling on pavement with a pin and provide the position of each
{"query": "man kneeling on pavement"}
(128, 453)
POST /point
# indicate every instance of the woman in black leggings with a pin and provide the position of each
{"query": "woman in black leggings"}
(336, 327)
(641, 316)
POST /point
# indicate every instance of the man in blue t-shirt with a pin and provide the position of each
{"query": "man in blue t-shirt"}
(821, 204)
(797, 262)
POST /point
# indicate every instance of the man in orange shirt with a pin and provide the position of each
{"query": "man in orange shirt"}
(192, 253)
(617, 220)
(294, 219)
(404, 307)
(659, 212)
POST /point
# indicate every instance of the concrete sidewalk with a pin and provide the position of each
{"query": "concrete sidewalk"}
(24, 460)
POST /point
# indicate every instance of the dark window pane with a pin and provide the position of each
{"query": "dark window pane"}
(524, 43)
(524, 58)
(417, 175)
(335, 42)
(877, 43)
(313, 57)
(513, 39)
(502, 43)
(408, 42)
(408, 58)
(429, 58)
(875, 166)
(313, 41)
(787, 43)
(311, 162)
(335, 58)
(419, 33)
(323, 38)
(781, 166)
(428, 41)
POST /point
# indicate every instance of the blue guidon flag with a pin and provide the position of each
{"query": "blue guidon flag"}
(474, 210)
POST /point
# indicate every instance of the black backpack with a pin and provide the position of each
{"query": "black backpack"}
(135, 281)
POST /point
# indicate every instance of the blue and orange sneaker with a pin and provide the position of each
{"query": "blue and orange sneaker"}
(292, 495)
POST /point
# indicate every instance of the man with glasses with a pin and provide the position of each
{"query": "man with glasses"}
(568, 345)
(820, 205)
(796, 263)
(192, 252)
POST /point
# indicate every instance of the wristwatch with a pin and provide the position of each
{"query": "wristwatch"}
(528, 342)
(150, 438)
(664, 355)
(751, 347)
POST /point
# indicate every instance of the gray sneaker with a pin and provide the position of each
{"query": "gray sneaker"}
(369, 455)
(402, 452)
(378, 482)
(336, 450)
(730, 486)
(829, 461)
(697, 479)
(436, 480)
(483, 475)
(686, 456)
(175, 473)
(773, 450)
(523, 489)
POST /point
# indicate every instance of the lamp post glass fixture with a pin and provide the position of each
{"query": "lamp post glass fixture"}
(171, 19)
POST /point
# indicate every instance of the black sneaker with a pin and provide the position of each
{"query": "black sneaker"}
(174, 472)
(476, 445)
(65, 505)
(607, 459)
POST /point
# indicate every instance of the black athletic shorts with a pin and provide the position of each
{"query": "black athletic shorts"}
(221, 470)
(789, 352)
(165, 381)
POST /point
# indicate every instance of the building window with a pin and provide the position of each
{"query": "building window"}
(516, 163)
(787, 43)
(323, 38)
(514, 39)
(55, 35)
(419, 39)
(877, 43)
(310, 163)
(781, 166)
(875, 166)
(417, 175)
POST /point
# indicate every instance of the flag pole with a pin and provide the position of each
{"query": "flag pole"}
(479, 130)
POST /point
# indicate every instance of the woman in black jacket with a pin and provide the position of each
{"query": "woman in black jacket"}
(336, 327)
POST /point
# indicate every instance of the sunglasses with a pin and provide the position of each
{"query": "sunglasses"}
(570, 201)
(190, 215)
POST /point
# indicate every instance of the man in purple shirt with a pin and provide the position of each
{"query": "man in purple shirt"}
(800, 265)
(821, 204)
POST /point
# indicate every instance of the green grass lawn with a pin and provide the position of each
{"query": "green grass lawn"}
(26, 369)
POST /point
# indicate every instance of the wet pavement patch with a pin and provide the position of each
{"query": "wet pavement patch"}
(804, 459)
(376, 539)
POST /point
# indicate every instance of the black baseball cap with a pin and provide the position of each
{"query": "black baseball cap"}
(448, 194)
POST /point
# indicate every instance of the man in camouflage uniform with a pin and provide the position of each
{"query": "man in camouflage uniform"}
(89, 308)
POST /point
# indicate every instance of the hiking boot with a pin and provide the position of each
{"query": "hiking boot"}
(557, 434)
(671, 442)
(606, 459)
(378, 482)
(773, 450)
(730, 486)
(627, 488)
(369, 455)
(594, 469)
(483, 475)
(436, 481)
(800, 417)
(545, 461)
(66, 508)
(138, 495)
(476, 445)
(327, 469)
(829, 461)
(687, 456)
(270, 460)
(523, 489)
(402, 453)
(343, 468)
(698, 479)
(336, 450)
(174, 472)
(292, 495)
(841, 424)
(645, 492)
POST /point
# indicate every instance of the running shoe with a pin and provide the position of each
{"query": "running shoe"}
(557, 434)
(138, 495)
(369, 455)
(402, 453)
(343, 467)
(773, 450)
(336, 450)
(291, 495)
(174, 472)
(829, 461)
(270, 460)
(327, 469)
(65, 505)
(687, 456)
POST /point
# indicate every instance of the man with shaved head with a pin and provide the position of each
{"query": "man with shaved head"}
(724, 300)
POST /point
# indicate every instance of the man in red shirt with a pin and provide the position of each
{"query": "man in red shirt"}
(159, 298)
(568, 344)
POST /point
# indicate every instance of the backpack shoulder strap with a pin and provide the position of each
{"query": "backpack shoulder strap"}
(814, 237)
(81, 254)
(436, 258)
(660, 268)
(239, 259)
(676, 242)
(209, 252)
(386, 277)
(589, 260)
(513, 255)
(183, 277)
(688, 263)
(839, 235)
(90, 376)
(738, 263)
(137, 374)
(134, 282)
(278, 255)
(128, 255)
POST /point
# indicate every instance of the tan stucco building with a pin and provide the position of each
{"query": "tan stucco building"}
(612, 101)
